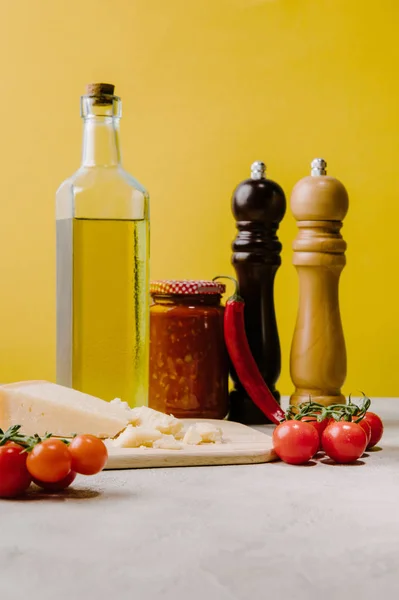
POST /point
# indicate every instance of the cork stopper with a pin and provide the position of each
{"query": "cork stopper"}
(102, 92)
(100, 89)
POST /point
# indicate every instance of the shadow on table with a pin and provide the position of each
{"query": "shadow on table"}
(356, 463)
(311, 463)
(34, 495)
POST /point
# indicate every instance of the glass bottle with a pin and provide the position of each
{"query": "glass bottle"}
(102, 243)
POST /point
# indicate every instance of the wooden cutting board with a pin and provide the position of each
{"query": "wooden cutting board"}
(242, 445)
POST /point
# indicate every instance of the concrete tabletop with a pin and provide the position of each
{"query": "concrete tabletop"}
(222, 533)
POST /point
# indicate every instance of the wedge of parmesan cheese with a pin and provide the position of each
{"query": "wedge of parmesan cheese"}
(40, 407)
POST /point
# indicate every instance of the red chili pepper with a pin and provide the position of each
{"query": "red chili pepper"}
(244, 363)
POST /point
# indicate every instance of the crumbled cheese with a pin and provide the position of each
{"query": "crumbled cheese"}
(167, 442)
(202, 433)
(148, 417)
(149, 437)
(192, 437)
(134, 437)
(209, 433)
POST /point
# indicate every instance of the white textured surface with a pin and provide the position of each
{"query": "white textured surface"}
(224, 533)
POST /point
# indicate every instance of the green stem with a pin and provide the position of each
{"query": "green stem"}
(339, 412)
(28, 442)
(236, 296)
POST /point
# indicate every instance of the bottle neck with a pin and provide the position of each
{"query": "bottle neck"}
(101, 142)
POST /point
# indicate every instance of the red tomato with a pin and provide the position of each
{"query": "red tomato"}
(88, 453)
(49, 461)
(14, 476)
(56, 486)
(344, 441)
(295, 442)
(377, 428)
(318, 425)
(365, 425)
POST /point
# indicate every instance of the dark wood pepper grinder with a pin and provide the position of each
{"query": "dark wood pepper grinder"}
(258, 206)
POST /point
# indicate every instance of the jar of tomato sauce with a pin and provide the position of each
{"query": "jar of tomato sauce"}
(188, 358)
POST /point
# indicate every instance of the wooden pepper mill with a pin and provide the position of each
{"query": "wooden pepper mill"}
(258, 206)
(318, 355)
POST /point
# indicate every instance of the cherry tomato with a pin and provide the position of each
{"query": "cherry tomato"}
(14, 476)
(344, 441)
(295, 442)
(49, 461)
(367, 429)
(363, 424)
(56, 486)
(377, 428)
(88, 453)
(318, 425)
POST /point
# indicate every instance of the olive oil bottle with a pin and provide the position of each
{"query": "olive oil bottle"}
(103, 264)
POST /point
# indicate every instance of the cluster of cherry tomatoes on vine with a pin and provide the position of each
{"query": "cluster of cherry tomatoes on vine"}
(342, 431)
(50, 463)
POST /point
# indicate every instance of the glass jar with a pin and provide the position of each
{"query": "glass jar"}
(188, 357)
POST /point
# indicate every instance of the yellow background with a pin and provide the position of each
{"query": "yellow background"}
(208, 86)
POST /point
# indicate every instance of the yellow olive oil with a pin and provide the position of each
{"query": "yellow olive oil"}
(108, 282)
(110, 299)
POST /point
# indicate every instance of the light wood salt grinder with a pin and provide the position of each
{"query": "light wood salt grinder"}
(318, 355)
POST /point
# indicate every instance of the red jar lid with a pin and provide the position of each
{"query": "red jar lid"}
(170, 287)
